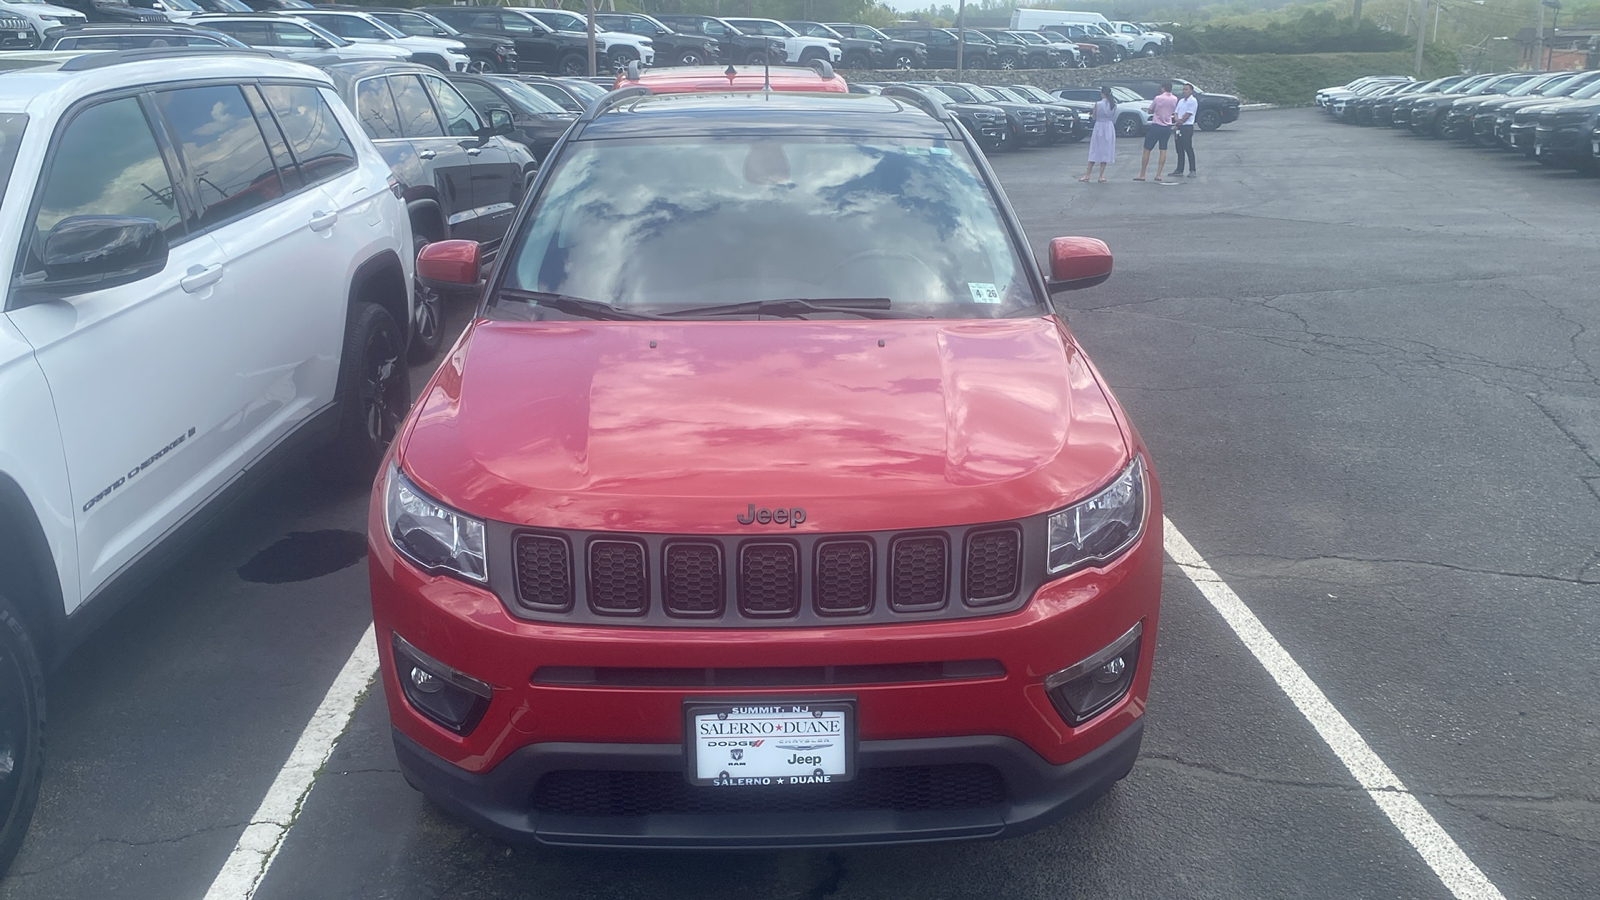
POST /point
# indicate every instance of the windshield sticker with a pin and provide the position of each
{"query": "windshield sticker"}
(983, 292)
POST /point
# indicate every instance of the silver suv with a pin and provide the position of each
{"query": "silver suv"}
(206, 268)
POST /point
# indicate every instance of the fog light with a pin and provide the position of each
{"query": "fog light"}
(451, 698)
(1084, 690)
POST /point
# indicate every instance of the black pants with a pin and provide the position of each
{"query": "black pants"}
(1185, 137)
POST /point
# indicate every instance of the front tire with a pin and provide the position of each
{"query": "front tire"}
(573, 65)
(374, 390)
(856, 61)
(976, 62)
(427, 314)
(21, 731)
(619, 59)
(1208, 120)
(1129, 125)
(691, 58)
(1008, 63)
(905, 61)
(757, 58)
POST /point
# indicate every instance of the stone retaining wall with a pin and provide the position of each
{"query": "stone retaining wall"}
(1208, 75)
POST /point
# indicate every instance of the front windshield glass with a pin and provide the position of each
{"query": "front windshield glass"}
(530, 99)
(654, 225)
(230, 6)
(186, 5)
(1031, 37)
(1535, 85)
(1125, 95)
(588, 90)
(325, 34)
(567, 23)
(1587, 91)
(417, 25)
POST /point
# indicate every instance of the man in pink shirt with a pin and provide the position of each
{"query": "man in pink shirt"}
(1160, 129)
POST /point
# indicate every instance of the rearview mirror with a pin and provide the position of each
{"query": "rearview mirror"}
(499, 123)
(449, 265)
(87, 253)
(1078, 262)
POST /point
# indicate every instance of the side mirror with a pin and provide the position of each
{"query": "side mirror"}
(1078, 262)
(499, 122)
(449, 265)
(87, 253)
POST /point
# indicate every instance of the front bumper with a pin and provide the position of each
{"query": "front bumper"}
(1562, 144)
(505, 801)
(998, 718)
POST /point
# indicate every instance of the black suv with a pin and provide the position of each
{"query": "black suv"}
(899, 53)
(539, 47)
(117, 12)
(986, 123)
(459, 177)
(1214, 111)
(941, 43)
(672, 48)
(489, 53)
(1017, 53)
(736, 46)
(537, 122)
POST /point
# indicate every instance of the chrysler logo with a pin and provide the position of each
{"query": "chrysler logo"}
(791, 516)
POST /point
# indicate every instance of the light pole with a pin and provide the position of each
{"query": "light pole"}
(1422, 33)
(590, 5)
(961, 37)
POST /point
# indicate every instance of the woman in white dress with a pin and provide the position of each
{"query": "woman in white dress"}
(1103, 142)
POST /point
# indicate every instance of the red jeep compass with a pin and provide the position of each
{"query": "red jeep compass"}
(767, 502)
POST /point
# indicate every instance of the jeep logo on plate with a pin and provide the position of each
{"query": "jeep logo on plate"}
(791, 516)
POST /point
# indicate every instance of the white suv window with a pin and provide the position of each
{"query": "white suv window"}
(222, 145)
(107, 164)
(321, 148)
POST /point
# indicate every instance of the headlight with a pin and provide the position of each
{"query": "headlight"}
(430, 535)
(1100, 527)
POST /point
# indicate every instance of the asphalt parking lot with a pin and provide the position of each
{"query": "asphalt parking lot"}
(1368, 368)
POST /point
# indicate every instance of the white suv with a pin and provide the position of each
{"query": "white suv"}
(801, 50)
(41, 18)
(619, 47)
(204, 265)
(443, 54)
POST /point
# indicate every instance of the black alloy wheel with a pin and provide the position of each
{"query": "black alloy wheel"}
(427, 314)
(21, 732)
(1208, 120)
(574, 65)
(374, 391)
(1129, 125)
(690, 58)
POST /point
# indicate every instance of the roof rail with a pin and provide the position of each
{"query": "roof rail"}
(117, 57)
(612, 99)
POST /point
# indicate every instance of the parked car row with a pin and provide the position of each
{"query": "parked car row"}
(1553, 117)
(1000, 117)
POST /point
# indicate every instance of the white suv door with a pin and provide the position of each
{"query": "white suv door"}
(142, 433)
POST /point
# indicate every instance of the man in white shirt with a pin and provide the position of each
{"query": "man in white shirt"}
(1183, 117)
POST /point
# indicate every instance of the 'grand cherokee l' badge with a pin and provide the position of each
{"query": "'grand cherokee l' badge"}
(780, 516)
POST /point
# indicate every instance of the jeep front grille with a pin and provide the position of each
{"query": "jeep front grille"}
(776, 577)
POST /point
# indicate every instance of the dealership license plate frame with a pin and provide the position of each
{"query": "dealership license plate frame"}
(692, 709)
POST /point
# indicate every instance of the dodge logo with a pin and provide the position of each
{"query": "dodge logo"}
(791, 516)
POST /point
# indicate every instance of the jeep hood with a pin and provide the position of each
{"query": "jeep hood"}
(679, 427)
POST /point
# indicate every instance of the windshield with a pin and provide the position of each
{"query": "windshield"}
(531, 100)
(11, 126)
(416, 24)
(188, 5)
(989, 94)
(325, 34)
(566, 23)
(1125, 95)
(653, 225)
(1031, 37)
(960, 95)
(230, 6)
(1536, 85)
(1587, 91)
(587, 90)
(1033, 93)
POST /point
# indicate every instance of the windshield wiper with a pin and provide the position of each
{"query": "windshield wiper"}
(577, 306)
(866, 307)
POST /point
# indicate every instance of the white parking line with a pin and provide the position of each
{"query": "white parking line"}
(1459, 874)
(264, 834)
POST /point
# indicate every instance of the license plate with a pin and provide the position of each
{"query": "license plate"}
(24, 34)
(776, 742)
